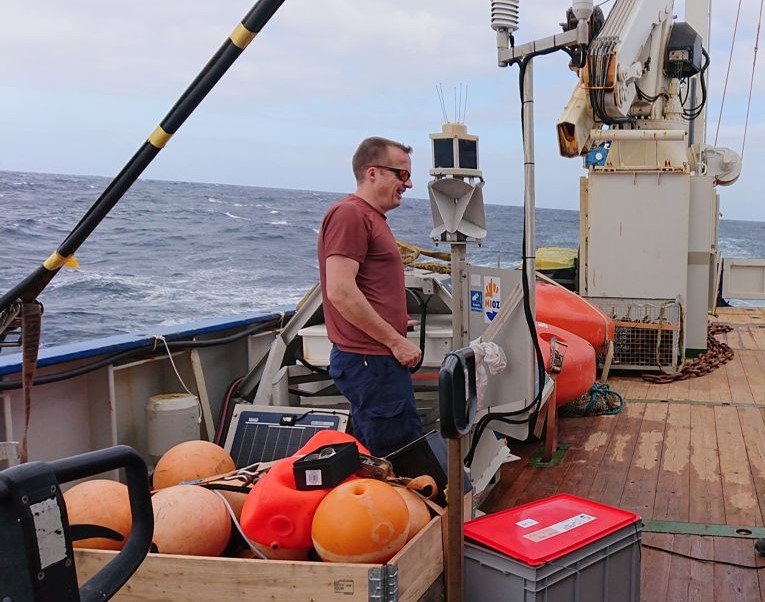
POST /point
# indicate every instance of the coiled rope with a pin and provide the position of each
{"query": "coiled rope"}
(600, 400)
(410, 253)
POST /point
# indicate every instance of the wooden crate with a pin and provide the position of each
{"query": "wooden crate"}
(171, 578)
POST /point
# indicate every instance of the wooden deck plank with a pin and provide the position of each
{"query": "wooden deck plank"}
(623, 386)
(655, 569)
(747, 337)
(705, 490)
(753, 372)
(657, 391)
(702, 574)
(678, 390)
(577, 429)
(639, 451)
(741, 508)
(698, 387)
(672, 502)
(719, 389)
(638, 389)
(680, 570)
(734, 583)
(753, 430)
(739, 387)
(758, 334)
(585, 461)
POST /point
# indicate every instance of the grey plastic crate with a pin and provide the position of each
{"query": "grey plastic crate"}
(606, 570)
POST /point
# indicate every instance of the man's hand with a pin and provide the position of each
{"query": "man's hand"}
(406, 353)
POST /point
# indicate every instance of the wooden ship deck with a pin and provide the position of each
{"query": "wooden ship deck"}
(688, 457)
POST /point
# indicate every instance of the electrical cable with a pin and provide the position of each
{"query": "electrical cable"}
(423, 317)
(712, 560)
(694, 112)
(223, 413)
(533, 407)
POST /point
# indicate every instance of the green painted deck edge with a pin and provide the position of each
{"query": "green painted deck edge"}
(678, 528)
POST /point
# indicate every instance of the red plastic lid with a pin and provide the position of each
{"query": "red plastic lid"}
(547, 529)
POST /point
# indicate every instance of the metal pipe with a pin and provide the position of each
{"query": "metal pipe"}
(29, 288)
(529, 194)
(603, 135)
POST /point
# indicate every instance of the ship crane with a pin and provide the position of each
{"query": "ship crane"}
(649, 208)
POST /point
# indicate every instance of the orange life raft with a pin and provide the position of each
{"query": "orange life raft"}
(577, 373)
(564, 309)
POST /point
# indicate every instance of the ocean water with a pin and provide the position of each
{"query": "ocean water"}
(177, 252)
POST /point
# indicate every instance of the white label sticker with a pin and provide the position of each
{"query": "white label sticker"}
(526, 523)
(561, 527)
(313, 477)
(50, 532)
(475, 280)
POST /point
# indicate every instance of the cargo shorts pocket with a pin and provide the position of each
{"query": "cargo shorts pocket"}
(384, 425)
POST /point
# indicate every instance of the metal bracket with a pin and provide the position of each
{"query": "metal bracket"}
(536, 459)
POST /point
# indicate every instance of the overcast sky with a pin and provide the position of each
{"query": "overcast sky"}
(85, 82)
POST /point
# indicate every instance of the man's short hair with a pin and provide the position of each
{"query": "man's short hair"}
(373, 151)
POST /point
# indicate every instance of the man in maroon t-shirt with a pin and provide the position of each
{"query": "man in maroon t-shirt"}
(362, 285)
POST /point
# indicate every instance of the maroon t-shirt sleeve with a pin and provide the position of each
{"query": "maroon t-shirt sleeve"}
(346, 233)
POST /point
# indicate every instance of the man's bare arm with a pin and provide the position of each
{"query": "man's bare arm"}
(346, 297)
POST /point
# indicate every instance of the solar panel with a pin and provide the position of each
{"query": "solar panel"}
(265, 433)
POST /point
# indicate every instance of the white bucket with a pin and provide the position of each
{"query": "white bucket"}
(171, 418)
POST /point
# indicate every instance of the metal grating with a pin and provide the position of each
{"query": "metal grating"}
(647, 334)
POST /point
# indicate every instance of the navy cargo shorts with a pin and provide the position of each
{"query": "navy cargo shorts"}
(380, 390)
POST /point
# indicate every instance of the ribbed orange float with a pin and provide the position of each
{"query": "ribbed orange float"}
(562, 308)
(100, 502)
(189, 461)
(578, 371)
(360, 521)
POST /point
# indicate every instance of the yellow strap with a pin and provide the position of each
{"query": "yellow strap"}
(241, 36)
(159, 137)
(57, 260)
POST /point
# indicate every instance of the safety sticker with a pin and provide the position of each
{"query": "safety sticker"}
(561, 527)
(476, 301)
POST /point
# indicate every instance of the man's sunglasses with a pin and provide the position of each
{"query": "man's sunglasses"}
(402, 174)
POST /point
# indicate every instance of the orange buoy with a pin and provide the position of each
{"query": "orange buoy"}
(419, 515)
(567, 310)
(103, 503)
(190, 520)
(189, 461)
(577, 374)
(360, 521)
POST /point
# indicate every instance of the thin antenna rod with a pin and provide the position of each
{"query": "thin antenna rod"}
(440, 92)
(464, 110)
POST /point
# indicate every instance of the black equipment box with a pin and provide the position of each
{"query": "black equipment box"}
(326, 467)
